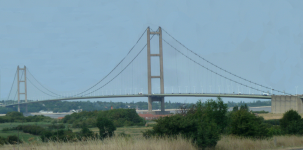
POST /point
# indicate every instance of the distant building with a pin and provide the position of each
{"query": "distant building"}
(45, 112)
(151, 116)
(78, 110)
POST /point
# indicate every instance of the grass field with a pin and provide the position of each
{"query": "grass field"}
(269, 116)
(23, 136)
(120, 143)
(134, 131)
(115, 143)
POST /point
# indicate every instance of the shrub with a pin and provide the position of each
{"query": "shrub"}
(3, 141)
(106, 127)
(199, 124)
(291, 123)
(244, 123)
(273, 121)
(85, 132)
(275, 130)
(235, 108)
(13, 139)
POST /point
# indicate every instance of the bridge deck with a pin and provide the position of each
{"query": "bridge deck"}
(253, 96)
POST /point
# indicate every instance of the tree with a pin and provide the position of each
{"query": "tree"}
(198, 124)
(245, 107)
(291, 123)
(216, 110)
(106, 127)
(235, 108)
(244, 123)
(85, 132)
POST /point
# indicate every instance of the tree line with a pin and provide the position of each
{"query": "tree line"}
(204, 123)
(66, 106)
(119, 117)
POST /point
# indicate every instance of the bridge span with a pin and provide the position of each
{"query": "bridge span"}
(187, 68)
(252, 96)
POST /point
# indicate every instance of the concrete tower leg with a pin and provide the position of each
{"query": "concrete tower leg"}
(150, 106)
(162, 105)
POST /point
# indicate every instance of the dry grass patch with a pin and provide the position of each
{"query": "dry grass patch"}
(115, 143)
(269, 116)
(237, 143)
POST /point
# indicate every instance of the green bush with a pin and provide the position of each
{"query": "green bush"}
(244, 123)
(273, 121)
(13, 139)
(291, 123)
(106, 127)
(120, 117)
(201, 123)
(275, 130)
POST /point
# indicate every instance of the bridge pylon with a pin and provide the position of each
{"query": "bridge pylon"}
(149, 75)
(25, 86)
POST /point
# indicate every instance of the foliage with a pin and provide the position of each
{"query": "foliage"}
(3, 140)
(64, 106)
(244, 107)
(272, 121)
(275, 130)
(85, 132)
(291, 123)
(244, 123)
(31, 129)
(235, 108)
(289, 118)
(106, 127)
(201, 123)
(216, 110)
(123, 134)
(18, 117)
(56, 126)
(249, 104)
(260, 112)
(13, 139)
(120, 117)
(59, 135)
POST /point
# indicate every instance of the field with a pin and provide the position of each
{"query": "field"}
(134, 131)
(269, 116)
(120, 143)
(136, 141)
(115, 143)
(22, 135)
(282, 142)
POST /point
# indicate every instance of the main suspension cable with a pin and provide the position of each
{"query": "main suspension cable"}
(206, 67)
(114, 67)
(12, 86)
(222, 68)
(121, 70)
(41, 84)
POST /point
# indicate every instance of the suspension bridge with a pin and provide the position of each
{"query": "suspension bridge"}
(142, 71)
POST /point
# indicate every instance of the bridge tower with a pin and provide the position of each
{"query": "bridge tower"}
(149, 75)
(25, 86)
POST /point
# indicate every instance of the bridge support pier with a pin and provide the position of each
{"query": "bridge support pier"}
(150, 107)
(282, 103)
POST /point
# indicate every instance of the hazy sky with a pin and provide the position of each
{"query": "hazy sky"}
(70, 45)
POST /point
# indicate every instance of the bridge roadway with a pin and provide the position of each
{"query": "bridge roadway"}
(253, 96)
